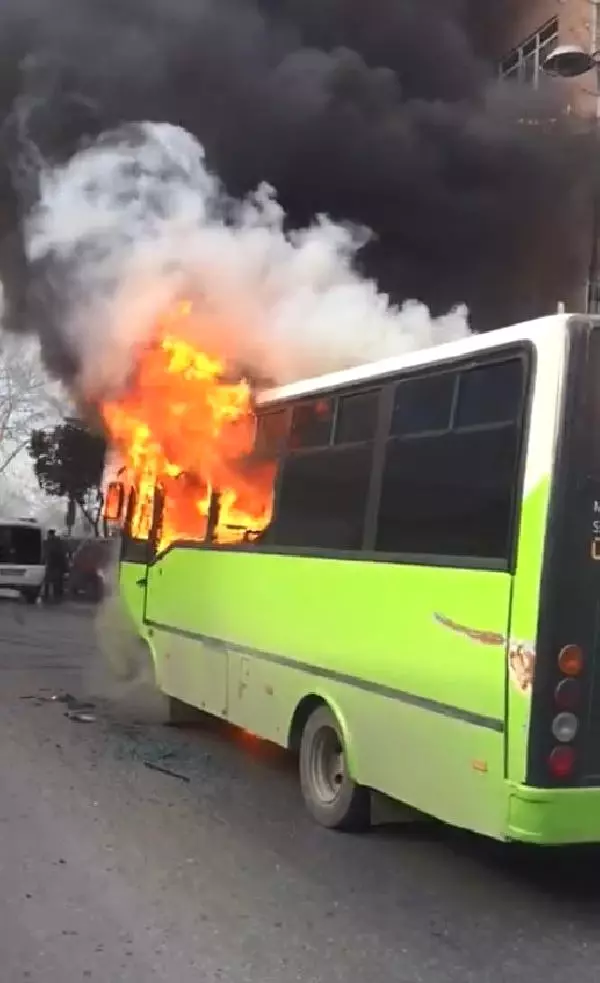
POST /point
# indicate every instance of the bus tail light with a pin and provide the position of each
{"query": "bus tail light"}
(567, 695)
(564, 727)
(570, 660)
(561, 761)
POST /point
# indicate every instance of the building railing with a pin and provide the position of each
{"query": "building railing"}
(524, 63)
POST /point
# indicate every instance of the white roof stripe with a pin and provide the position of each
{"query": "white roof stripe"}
(527, 330)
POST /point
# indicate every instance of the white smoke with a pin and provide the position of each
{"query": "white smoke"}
(136, 220)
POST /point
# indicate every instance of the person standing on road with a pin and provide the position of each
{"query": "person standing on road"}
(56, 567)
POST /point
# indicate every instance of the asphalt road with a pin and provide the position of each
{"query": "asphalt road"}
(115, 872)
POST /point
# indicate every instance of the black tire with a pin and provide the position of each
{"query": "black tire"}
(31, 595)
(333, 799)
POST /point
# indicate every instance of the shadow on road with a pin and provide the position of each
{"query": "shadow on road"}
(568, 877)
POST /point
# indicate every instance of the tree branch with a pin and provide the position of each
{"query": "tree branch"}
(11, 456)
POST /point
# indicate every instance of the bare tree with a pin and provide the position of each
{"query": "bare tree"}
(28, 399)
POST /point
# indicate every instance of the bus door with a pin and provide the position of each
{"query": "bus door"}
(133, 556)
(189, 665)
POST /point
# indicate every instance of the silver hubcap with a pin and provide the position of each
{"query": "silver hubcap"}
(327, 767)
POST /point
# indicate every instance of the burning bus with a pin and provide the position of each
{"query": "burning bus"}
(390, 570)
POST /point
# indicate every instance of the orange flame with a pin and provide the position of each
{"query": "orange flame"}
(182, 426)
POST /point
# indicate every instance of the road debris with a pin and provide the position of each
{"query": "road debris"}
(76, 709)
(74, 703)
(154, 766)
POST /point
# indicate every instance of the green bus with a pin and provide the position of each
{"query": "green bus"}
(421, 617)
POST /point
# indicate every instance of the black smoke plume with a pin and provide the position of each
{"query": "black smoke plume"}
(387, 113)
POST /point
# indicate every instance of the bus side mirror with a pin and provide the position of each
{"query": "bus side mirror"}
(114, 501)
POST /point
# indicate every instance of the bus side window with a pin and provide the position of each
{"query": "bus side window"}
(322, 498)
(271, 434)
(356, 418)
(158, 510)
(451, 493)
(113, 503)
(423, 404)
(490, 394)
(131, 504)
(324, 480)
(312, 423)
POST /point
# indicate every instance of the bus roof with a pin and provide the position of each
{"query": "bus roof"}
(527, 330)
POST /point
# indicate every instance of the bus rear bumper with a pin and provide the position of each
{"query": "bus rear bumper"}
(553, 816)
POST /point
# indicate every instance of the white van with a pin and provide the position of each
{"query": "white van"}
(22, 557)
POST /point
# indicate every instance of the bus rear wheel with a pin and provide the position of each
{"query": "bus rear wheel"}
(330, 794)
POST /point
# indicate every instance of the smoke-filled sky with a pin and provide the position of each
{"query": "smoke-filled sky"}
(383, 114)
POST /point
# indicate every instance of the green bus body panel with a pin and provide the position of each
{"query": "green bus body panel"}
(132, 593)
(554, 816)
(422, 706)
(413, 659)
(372, 621)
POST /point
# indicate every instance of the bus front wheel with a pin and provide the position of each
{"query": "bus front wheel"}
(330, 794)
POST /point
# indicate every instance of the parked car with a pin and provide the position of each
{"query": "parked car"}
(22, 557)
